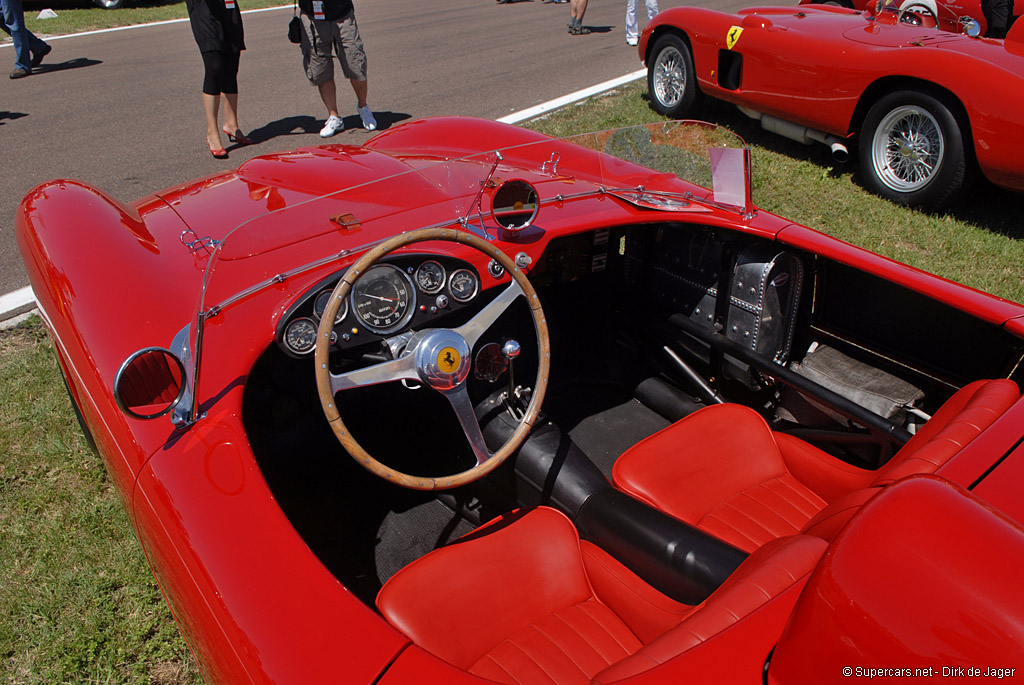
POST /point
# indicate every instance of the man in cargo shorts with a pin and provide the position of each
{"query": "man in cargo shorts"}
(327, 25)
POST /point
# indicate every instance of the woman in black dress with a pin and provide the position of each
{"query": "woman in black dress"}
(217, 27)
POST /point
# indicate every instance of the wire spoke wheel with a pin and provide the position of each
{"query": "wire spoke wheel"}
(669, 77)
(907, 148)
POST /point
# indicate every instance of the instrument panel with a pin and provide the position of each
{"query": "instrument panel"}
(396, 293)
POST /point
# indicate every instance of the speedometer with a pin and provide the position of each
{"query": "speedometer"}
(384, 298)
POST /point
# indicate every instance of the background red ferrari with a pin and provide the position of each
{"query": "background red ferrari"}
(923, 111)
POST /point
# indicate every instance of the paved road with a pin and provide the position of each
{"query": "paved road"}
(122, 110)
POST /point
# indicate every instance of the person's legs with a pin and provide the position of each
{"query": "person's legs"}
(577, 8)
(14, 24)
(229, 91)
(230, 111)
(211, 105)
(329, 94)
(213, 64)
(317, 46)
(360, 88)
(652, 9)
(352, 57)
(632, 26)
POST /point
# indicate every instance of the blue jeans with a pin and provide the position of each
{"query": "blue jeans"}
(25, 42)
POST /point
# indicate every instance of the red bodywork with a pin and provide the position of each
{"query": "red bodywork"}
(824, 67)
(253, 600)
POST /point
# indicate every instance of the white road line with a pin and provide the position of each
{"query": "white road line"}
(570, 98)
(24, 296)
(16, 300)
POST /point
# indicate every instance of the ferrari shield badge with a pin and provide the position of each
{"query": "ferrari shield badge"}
(733, 36)
(448, 360)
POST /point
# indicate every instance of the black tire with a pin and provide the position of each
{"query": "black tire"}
(912, 151)
(671, 80)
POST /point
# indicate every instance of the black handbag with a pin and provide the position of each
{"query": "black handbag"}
(295, 27)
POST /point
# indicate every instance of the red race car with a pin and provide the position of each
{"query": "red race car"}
(471, 404)
(923, 110)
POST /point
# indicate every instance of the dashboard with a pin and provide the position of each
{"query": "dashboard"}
(398, 292)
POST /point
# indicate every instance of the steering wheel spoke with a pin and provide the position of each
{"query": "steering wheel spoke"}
(473, 329)
(463, 406)
(403, 368)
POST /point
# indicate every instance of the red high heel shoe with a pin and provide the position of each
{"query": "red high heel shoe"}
(238, 137)
(219, 153)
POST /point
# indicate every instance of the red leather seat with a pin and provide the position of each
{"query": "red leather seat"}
(524, 600)
(723, 470)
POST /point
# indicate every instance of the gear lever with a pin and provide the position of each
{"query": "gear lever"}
(511, 350)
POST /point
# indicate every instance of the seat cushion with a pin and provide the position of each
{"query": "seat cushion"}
(510, 602)
(765, 511)
(721, 470)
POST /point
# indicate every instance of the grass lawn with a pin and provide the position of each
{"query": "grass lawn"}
(77, 603)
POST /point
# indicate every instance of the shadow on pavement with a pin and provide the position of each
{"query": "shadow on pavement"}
(4, 116)
(304, 125)
(76, 63)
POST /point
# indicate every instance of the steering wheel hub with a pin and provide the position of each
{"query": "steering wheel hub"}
(442, 359)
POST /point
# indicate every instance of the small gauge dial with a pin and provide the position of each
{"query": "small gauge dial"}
(320, 305)
(463, 285)
(384, 299)
(300, 335)
(430, 277)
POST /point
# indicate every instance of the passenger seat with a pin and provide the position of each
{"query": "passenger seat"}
(723, 470)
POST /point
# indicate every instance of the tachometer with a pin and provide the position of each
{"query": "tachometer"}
(384, 298)
(430, 277)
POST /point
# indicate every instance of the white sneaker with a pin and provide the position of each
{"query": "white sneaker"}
(333, 125)
(369, 123)
(632, 41)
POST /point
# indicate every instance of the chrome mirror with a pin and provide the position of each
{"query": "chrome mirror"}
(149, 383)
(971, 27)
(514, 205)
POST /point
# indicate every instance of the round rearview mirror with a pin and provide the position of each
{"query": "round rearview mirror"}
(149, 383)
(514, 205)
(972, 28)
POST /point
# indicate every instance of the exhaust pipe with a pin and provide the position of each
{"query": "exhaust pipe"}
(800, 134)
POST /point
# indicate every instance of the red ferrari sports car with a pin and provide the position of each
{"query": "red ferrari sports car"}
(471, 404)
(925, 109)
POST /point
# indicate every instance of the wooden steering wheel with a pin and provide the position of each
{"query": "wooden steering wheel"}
(440, 358)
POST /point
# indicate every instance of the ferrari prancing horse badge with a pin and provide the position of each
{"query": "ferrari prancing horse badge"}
(448, 360)
(733, 36)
